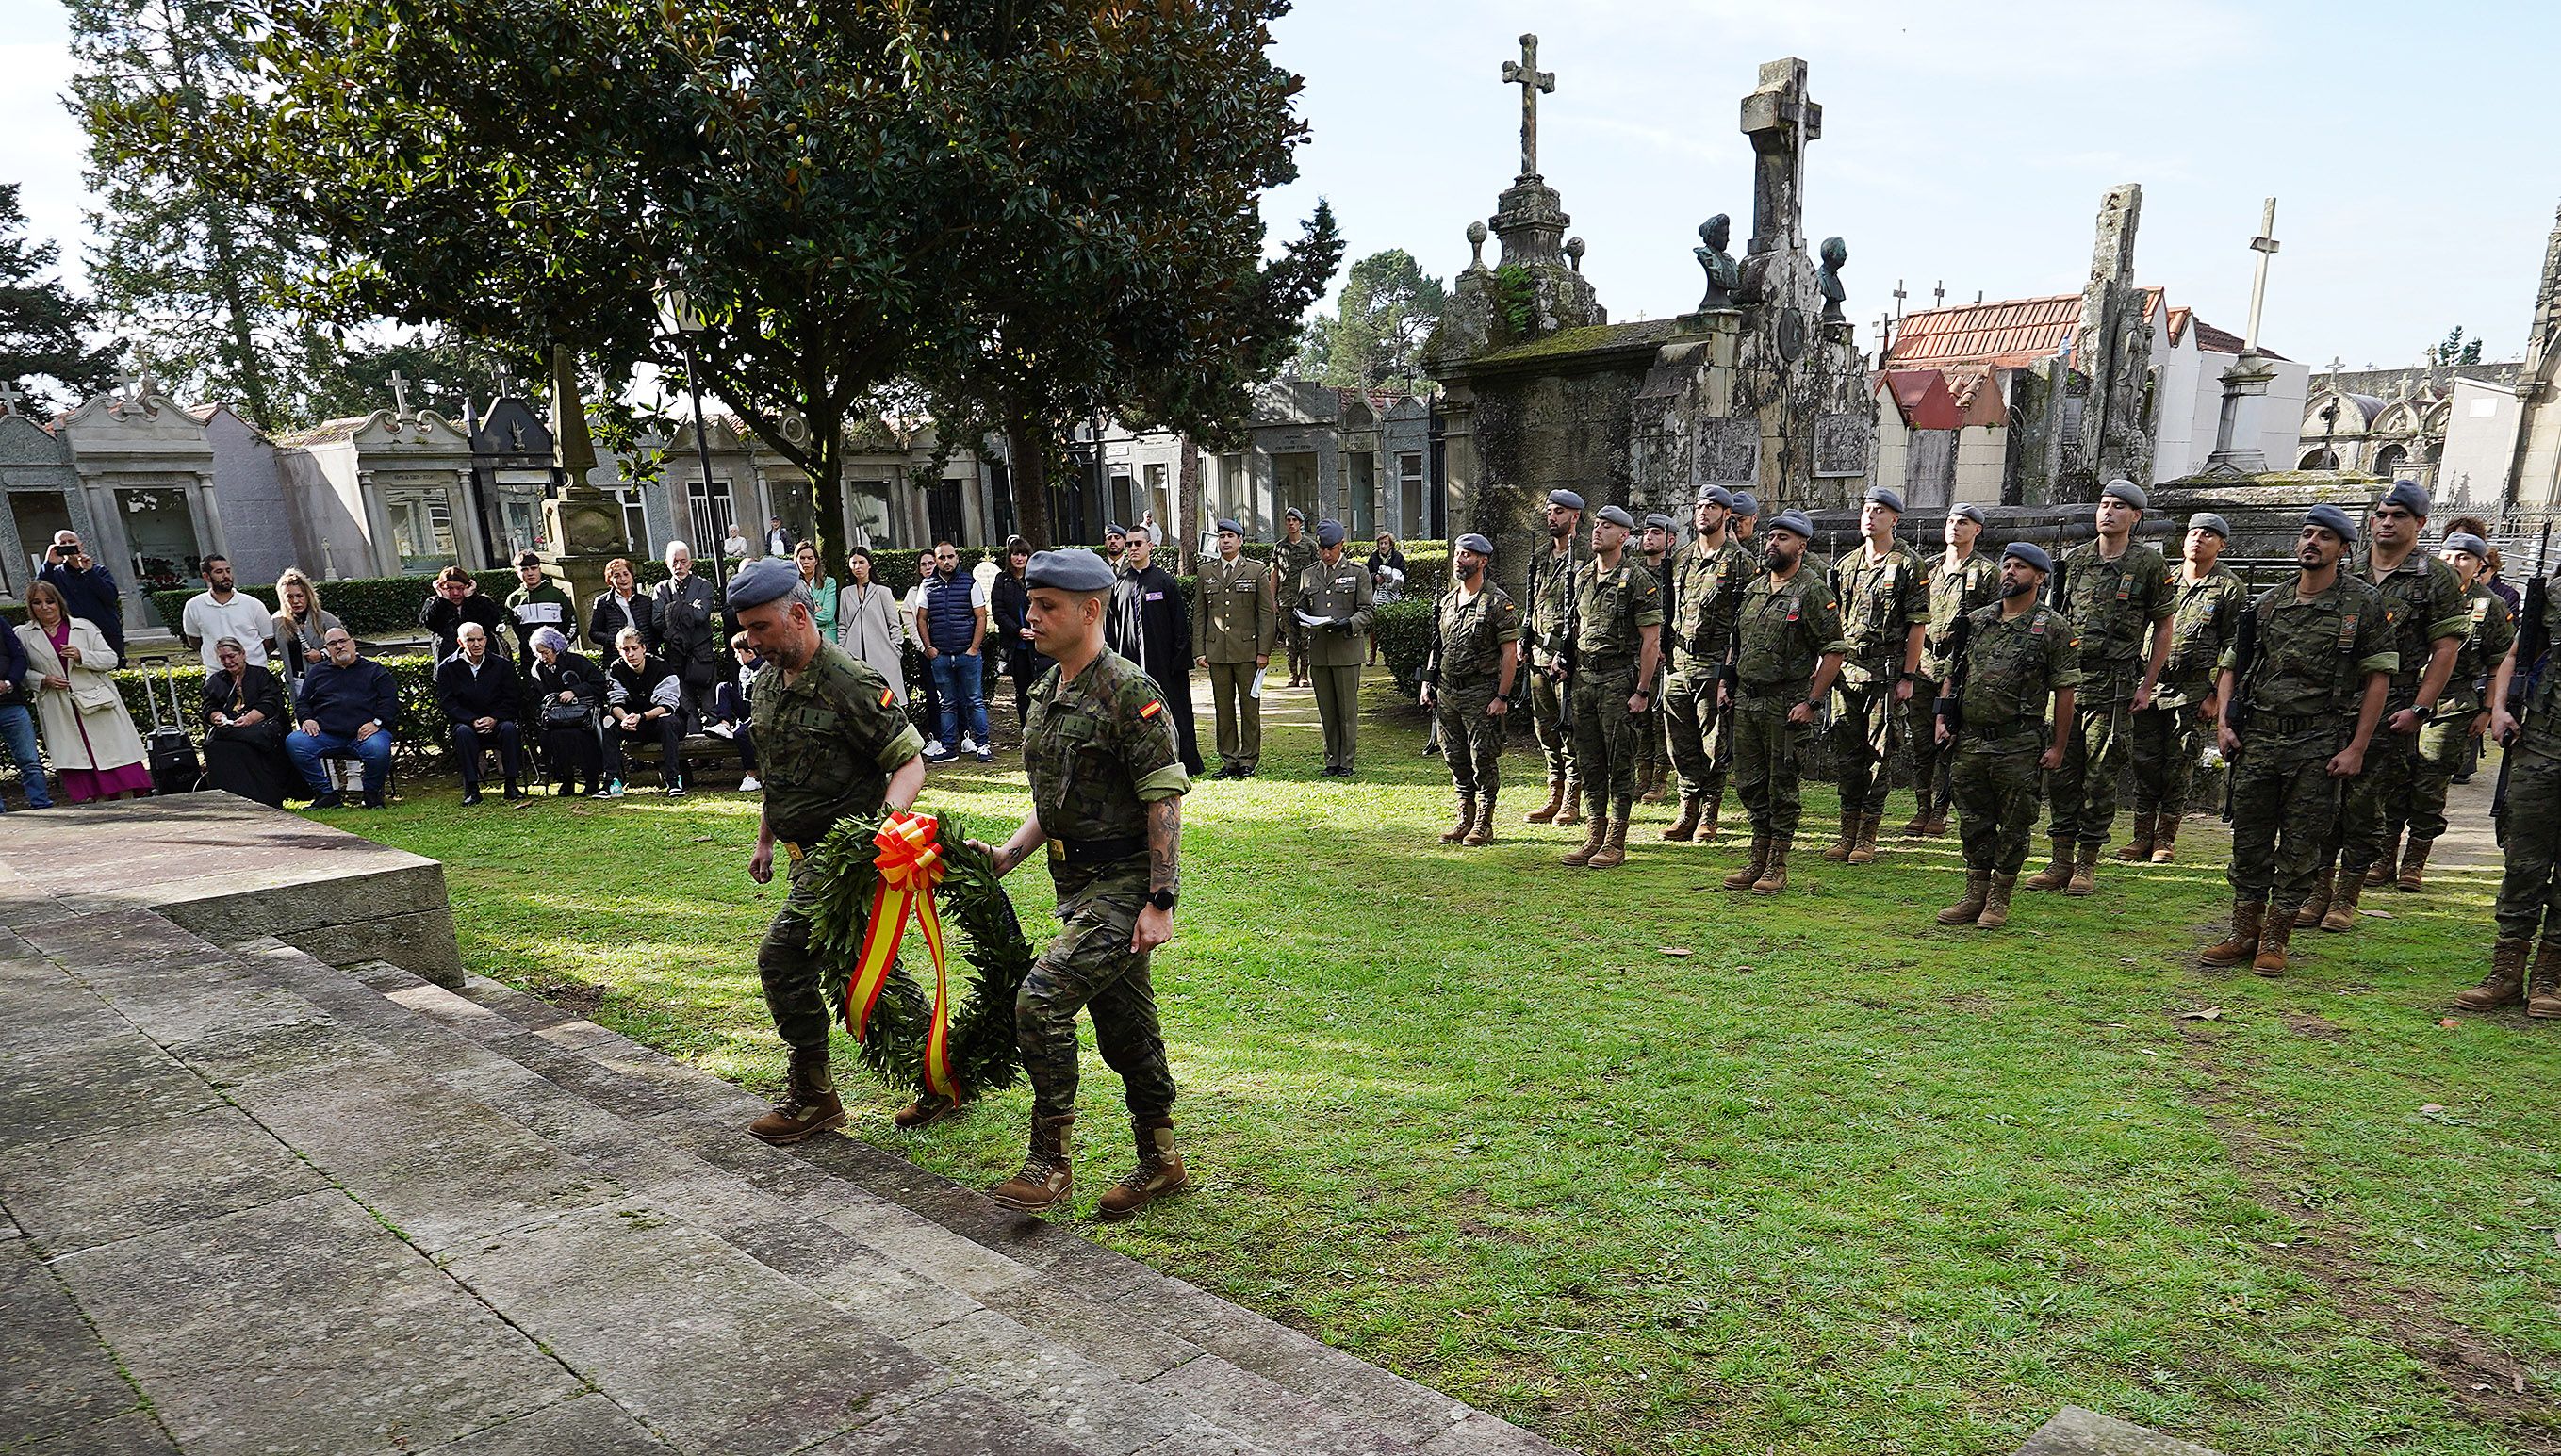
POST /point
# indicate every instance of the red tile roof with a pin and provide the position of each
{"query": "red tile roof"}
(1922, 398)
(2018, 332)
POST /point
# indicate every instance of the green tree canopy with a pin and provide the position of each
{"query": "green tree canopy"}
(2456, 349)
(1374, 337)
(42, 324)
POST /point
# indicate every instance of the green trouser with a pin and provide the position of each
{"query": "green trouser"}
(1769, 756)
(1089, 968)
(1864, 733)
(1691, 723)
(1653, 745)
(1993, 786)
(1920, 736)
(1338, 710)
(1472, 740)
(2084, 789)
(1240, 713)
(2285, 813)
(1604, 734)
(1547, 724)
(2529, 894)
(2164, 744)
(791, 973)
(2379, 795)
(1293, 637)
(2443, 750)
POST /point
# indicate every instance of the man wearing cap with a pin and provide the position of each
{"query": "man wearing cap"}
(2321, 662)
(1747, 516)
(1292, 555)
(2017, 657)
(2168, 735)
(1960, 580)
(538, 603)
(1107, 786)
(1708, 578)
(1476, 648)
(1884, 596)
(1654, 753)
(1238, 615)
(1543, 624)
(2490, 634)
(1788, 648)
(1617, 641)
(833, 745)
(2116, 591)
(1336, 603)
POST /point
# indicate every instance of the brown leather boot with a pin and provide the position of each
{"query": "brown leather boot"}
(1774, 876)
(1918, 824)
(2505, 983)
(2058, 874)
(2139, 850)
(2248, 918)
(1938, 824)
(1656, 777)
(2413, 864)
(1864, 852)
(1546, 813)
(1979, 890)
(2273, 935)
(1614, 851)
(1707, 813)
(924, 1111)
(1996, 904)
(2543, 984)
(2342, 904)
(2324, 887)
(1593, 837)
(809, 1104)
(1483, 831)
(1466, 820)
(1686, 826)
(2389, 869)
(1046, 1177)
(2166, 838)
(1572, 813)
(1748, 873)
(1160, 1173)
(1838, 853)
(2085, 871)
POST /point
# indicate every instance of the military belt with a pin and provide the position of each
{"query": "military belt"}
(2294, 722)
(1083, 852)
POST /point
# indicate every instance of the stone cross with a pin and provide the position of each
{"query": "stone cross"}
(400, 397)
(1939, 295)
(1898, 297)
(1525, 73)
(1779, 118)
(2264, 244)
(9, 397)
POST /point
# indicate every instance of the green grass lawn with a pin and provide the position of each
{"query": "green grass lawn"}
(1836, 1181)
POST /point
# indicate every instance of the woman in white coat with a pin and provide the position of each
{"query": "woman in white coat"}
(869, 624)
(90, 739)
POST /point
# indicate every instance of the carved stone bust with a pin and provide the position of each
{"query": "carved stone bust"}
(1724, 274)
(1828, 279)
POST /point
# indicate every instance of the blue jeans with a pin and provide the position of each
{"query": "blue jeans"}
(307, 752)
(18, 734)
(959, 680)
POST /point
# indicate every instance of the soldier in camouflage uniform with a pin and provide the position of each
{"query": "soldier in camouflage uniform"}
(1708, 578)
(1788, 648)
(834, 744)
(1654, 753)
(1292, 555)
(1107, 783)
(1477, 650)
(1961, 580)
(2445, 742)
(2529, 884)
(1542, 640)
(2169, 736)
(1619, 621)
(2117, 592)
(2314, 686)
(2018, 656)
(1884, 596)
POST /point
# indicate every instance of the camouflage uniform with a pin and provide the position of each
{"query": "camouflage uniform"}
(1652, 744)
(1881, 600)
(2012, 670)
(1783, 633)
(2114, 608)
(1542, 639)
(2529, 889)
(827, 742)
(1100, 750)
(2169, 736)
(2424, 601)
(1472, 633)
(1707, 587)
(2487, 634)
(1291, 560)
(1956, 589)
(2304, 690)
(1613, 609)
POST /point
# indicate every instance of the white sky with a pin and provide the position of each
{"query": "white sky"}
(2411, 150)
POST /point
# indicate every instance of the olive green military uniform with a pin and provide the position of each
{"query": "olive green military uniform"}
(2169, 736)
(2424, 600)
(827, 742)
(2115, 606)
(1882, 598)
(1612, 608)
(2443, 742)
(1473, 630)
(1342, 593)
(1956, 589)
(1238, 615)
(2303, 690)
(1654, 748)
(1100, 750)
(1291, 560)
(1551, 581)
(2529, 885)
(2011, 670)
(1707, 587)
(1781, 633)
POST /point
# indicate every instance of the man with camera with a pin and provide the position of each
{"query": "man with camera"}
(89, 589)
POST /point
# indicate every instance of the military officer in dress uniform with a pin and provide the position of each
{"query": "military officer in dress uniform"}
(1336, 603)
(1476, 652)
(1786, 650)
(1884, 596)
(1961, 580)
(2018, 656)
(1617, 641)
(1239, 613)
(1543, 622)
(1708, 578)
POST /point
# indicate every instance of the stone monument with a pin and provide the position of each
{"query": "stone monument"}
(585, 525)
(2112, 348)
(2247, 377)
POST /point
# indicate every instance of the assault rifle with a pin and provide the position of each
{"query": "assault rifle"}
(2533, 639)
(1568, 654)
(2236, 709)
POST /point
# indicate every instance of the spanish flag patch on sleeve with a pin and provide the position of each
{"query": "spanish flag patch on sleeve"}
(1153, 708)
(889, 696)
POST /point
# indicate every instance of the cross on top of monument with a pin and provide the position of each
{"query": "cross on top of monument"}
(9, 397)
(399, 395)
(1525, 73)
(1779, 118)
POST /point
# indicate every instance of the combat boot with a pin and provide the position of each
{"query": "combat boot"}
(1593, 837)
(1938, 821)
(2543, 986)
(1046, 1177)
(2273, 935)
(2413, 864)
(1615, 852)
(1838, 853)
(1466, 820)
(2139, 850)
(1484, 832)
(1159, 1172)
(1918, 824)
(2166, 838)
(1978, 891)
(1707, 814)
(2342, 904)
(1748, 873)
(1774, 876)
(1865, 851)
(1572, 813)
(2248, 918)
(1546, 813)
(1996, 904)
(2085, 871)
(1656, 776)
(2058, 874)
(809, 1104)
(2389, 869)
(924, 1111)
(1686, 826)
(2324, 885)
(2505, 983)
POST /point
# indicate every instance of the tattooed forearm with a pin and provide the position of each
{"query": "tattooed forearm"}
(1164, 842)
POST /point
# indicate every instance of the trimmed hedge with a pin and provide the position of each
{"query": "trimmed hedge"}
(1404, 632)
(420, 732)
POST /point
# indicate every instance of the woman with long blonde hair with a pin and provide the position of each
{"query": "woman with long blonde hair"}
(300, 626)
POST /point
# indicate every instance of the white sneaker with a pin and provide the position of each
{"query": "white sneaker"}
(932, 748)
(750, 784)
(721, 729)
(969, 743)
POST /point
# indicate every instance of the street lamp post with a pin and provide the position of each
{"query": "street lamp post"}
(684, 323)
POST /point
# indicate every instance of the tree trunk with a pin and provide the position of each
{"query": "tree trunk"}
(1027, 442)
(826, 487)
(1187, 506)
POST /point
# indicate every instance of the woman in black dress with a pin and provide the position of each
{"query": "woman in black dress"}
(244, 727)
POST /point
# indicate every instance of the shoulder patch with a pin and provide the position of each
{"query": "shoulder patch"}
(889, 697)
(1154, 706)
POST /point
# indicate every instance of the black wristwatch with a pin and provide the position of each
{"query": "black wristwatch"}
(1162, 899)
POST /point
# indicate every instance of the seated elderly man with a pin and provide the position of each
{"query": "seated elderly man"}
(482, 695)
(348, 707)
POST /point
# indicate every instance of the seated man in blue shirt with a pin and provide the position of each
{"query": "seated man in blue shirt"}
(347, 704)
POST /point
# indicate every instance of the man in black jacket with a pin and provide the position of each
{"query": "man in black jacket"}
(1150, 623)
(481, 696)
(89, 589)
(347, 705)
(620, 604)
(456, 600)
(689, 628)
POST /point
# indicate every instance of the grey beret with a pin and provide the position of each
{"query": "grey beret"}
(1886, 496)
(1294, 514)
(1080, 572)
(2334, 519)
(2209, 520)
(1967, 510)
(766, 578)
(1114, 530)
(1566, 498)
(1658, 521)
(2465, 541)
(2408, 495)
(1793, 521)
(1224, 524)
(1715, 495)
(1478, 544)
(2030, 552)
(2126, 491)
(1746, 503)
(1618, 516)
(1329, 533)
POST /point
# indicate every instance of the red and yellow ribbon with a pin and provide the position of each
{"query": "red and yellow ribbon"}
(910, 865)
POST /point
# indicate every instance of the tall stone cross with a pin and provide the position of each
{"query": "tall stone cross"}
(9, 397)
(400, 397)
(2264, 244)
(1525, 73)
(1779, 118)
